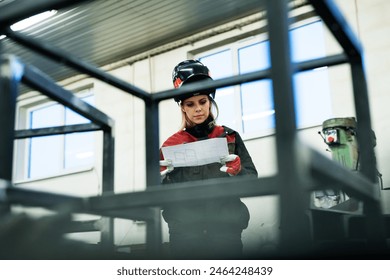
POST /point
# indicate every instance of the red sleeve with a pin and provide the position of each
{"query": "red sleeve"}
(178, 138)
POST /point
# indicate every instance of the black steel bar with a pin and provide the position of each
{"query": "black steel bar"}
(375, 223)
(84, 226)
(18, 10)
(329, 61)
(363, 126)
(91, 70)
(140, 205)
(138, 214)
(55, 130)
(249, 77)
(107, 232)
(196, 87)
(152, 144)
(154, 234)
(37, 80)
(4, 185)
(151, 197)
(27, 197)
(41, 82)
(352, 47)
(76, 63)
(108, 161)
(293, 227)
(322, 169)
(338, 25)
(329, 172)
(11, 72)
(188, 191)
(5, 204)
(294, 236)
(153, 230)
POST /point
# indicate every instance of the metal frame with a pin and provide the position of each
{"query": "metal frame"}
(300, 169)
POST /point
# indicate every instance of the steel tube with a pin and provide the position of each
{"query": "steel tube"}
(294, 236)
(375, 225)
(11, 72)
(153, 229)
(107, 232)
(74, 62)
(328, 172)
(249, 77)
(151, 197)
(338, 25)
(55, 130)
(188, 191)
(41, 82)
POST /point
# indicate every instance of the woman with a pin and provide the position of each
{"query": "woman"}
(206, 228)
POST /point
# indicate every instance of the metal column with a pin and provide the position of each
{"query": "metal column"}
(153, 233)
(375, 223)
(11, 72)
(107, 233)
(294, 222)
(353, 49)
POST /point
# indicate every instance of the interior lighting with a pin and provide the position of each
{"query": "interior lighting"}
(25, 23)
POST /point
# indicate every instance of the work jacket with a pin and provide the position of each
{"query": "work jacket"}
(222, 214)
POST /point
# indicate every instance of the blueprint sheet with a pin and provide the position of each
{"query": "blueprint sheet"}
(197, 153)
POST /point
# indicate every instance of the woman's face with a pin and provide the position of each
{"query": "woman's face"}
(197, 108)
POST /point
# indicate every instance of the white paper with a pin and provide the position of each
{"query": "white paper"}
(197, 153)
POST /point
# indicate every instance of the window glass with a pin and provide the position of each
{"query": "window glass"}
(79, 150)
(254, 57)
(312, 96)
(312, 92)
(257, 106)
(43, 151)
(249, 107)
(45, 158)
(220, 65)
(256, 97)
(308, 42)
(79, 147)
(51, 155)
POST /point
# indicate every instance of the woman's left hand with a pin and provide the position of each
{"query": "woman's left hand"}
(231, 164)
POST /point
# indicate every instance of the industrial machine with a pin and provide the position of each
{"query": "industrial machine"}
(340, 136)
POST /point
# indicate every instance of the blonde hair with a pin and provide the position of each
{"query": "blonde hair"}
(187, 123)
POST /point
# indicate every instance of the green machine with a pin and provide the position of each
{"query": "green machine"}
(340, 136)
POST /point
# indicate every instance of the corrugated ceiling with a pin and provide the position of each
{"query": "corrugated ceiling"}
(105, 31)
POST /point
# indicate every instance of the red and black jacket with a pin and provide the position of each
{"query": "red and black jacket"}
(230, 212)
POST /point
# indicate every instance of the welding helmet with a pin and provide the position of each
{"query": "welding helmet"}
(189, 71)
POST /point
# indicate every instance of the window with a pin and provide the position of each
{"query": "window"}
(249, 107)
(56, 154)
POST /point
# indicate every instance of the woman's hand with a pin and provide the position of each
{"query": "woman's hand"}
(231, 164)
(165, 167)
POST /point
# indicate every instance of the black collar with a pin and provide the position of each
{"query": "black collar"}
(202, 130)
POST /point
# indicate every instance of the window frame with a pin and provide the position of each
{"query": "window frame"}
(235, 46)
(26, 104)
